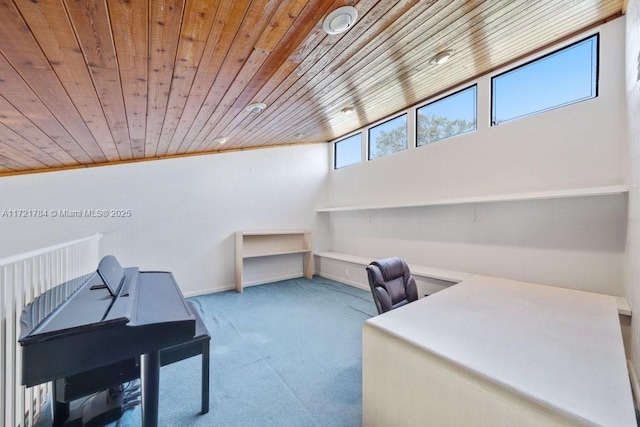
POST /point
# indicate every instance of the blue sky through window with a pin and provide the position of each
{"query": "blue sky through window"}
(561, 78)
(566, 76)
(460, 105)
(452, 109)
(348, 151)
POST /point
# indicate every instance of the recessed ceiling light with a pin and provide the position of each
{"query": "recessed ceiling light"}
(256, 107)
(441, 57)
(340, 20)
(221, 140)
(347, 110)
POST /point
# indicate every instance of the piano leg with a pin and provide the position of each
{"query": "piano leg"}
(150, 380)
(205, 377)
(60, 409)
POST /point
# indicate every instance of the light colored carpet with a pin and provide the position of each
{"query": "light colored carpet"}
(282, 354)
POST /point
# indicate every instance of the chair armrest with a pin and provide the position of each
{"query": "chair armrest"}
(411, 289)
(384, 298)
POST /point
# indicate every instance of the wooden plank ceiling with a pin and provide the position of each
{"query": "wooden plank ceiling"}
(88, 82)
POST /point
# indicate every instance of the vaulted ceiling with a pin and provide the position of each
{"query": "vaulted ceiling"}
(89, 82)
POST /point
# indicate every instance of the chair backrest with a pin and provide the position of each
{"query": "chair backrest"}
(391, 283)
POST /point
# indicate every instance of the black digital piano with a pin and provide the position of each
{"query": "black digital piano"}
(117, 317)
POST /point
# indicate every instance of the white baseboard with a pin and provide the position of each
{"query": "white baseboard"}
(270, 280)
(232, 287)
(209, 291)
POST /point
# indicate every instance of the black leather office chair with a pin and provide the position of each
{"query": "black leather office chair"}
(391, 284)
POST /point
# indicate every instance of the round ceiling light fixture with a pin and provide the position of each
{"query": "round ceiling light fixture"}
(256, 107)
(347, 110)
(441, 57)
(340, 20)
(221, 140)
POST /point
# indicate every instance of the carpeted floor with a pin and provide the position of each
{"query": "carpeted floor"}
(283, 354)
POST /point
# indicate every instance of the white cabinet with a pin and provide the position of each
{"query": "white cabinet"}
(253, 244)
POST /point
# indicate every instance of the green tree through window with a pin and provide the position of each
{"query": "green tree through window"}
(388, 137)
(392, 141)
(449, 116)
(431, 128)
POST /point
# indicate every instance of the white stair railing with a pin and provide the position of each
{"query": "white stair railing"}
(22, 278)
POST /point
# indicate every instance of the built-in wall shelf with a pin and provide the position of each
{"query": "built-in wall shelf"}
(255, 244)
(540, 195)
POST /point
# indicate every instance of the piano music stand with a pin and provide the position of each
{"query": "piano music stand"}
(112, 274)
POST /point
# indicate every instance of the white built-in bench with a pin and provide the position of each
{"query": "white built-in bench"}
(416, 270)
(420, 271)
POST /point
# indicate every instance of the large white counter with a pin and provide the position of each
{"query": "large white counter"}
(497, 352)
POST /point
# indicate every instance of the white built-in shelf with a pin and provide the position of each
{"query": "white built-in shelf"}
(255, 244)
(623, 306)
(540, 195)
(268, 232)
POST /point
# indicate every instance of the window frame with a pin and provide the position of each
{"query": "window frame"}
(335, 150)
(404, 114)
(475, 114)
(595, 36)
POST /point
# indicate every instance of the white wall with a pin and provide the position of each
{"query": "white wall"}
(576, 243)
(632, 265)
(183, 211)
